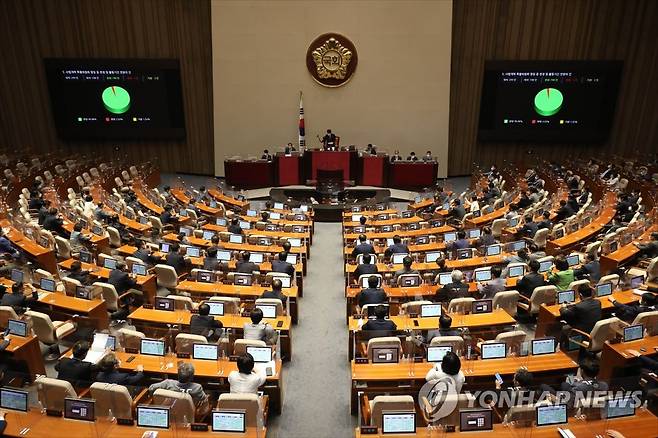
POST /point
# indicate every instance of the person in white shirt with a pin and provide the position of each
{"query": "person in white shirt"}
(246, 380)
(88, 209)
(474, 205)
(449, 371)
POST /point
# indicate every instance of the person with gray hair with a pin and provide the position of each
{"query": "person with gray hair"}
(456, 289)
(185, 383)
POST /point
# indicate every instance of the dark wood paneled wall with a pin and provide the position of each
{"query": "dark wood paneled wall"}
(31, 30)
(554, 29)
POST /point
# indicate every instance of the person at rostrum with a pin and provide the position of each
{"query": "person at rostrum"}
(276, 292)
(449, 371)
(246, 380)
(109, 372)
(281, 265)
(363, 247)
(366, 267)
(329, 140)
(372, 294)
(456, 289)
(74, 368)
(205, 325)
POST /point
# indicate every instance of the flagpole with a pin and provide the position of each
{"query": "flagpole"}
(302, 130)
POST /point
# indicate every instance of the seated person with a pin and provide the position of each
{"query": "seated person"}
(276, 292)
(185, 383)
(461, 242)
(533, 279)
(372, 294)
(529, 228)
(124, 282)
(381, 324)
(6, 247)
(145, 254)
(366, 267)
(441, 265)
(628, 312)
(650, 249)
(521, 256)
(582, 315)
(77, 239)
(210, 262)
(245, 380)
(234, 226)
(524, 200)
(564, 212)
(75, 369)
(488, 289)
(406, 269)
(205, 325)
(265, 217)
(363, 247)
(244, 266)
(428, 156)
(564, 275)
(545, 223)
(108, 372)
(397, 247)
(257, 330)
(16, 299)
(457, 211)
(168, 216)
(582, 386)
(522, 385)
(456, 289)
(281, 265)
(445, 329)
(486, 238)
(474, 205)
(412, 157)
(266, 155)
(176, 259)
(590, 270)
(54, 223)
(214, 243)
(448, 371)
(76, 273)
(396, 156)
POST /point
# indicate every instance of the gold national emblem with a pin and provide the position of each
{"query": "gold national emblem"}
(331, 59)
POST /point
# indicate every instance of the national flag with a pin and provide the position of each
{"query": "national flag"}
(302, 131)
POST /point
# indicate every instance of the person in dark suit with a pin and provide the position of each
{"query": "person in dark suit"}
(407, 262)
(363, 247)
(396, 156)
(77, 273)
(144, 254)
(121, 280)
(457, 211)
(531, 280)
(456, 289)
(486, 238)
(573, 203)
(445, 329)
(524, 200)
(461, 243)
(17, 300)
(266, 155)
(329, 140)
(281, 265)
(168, 216)
(628, 312)
(412, 157)
(109, 372)
(366, 267)
(245, 266)
(53, 222)
(529, 227)
(583, 315)
(6, 247)
(234, 226)
(650, 249)
(204, 324)
(564, 212)
(74, 369)
(546, 221)
(397, 248)
(276, 292)
(177, 260)
(372, 294)
(383, 326)
(210, 262)
(591, 269)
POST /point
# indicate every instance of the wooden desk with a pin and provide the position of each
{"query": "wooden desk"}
(644, 424)
(616, 356)
(94, 310)
(610, 262)
(207, 210)
(347, 222)
(230, 200)
(487, 218)
(549, 315)
(161, 319)
(402, 233)
(146, 283)
(368, 213)
(422, 204)
(27, 350)
(252, 292)
(407, 378)
(280, 234)
(146, 202)
(44, 257)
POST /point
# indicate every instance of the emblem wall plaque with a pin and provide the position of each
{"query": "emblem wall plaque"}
(331, 59)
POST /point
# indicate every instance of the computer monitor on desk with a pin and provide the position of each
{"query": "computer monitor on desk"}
(543, 346)
(16, 327)
(516, 271)
(573, 259)
(193, 251)
(398, 422)
(474, 233)
(449, 237)
(216, 308)
(228, 421)
(483, 275)
(235, 238)
(79, 409)
(152, 347)
(205, 351)
(566, 296)
(398, 258)
(139, 269)
(545, 266)
(13, 399)
(471, 420)
(245, 225)
(152, 416)
(603, 289)
(16, 275)
(435, 353)
(109, 263)
(432, 257)
(269, 310)
(430, 310)
(493, 250)
(445, 278)
(164, 303)
(551, 415)
(47, 284)
(385, 355)
(260, 354)
(482, 306)
(633, 332)
(619, 407)
(494, 350)
(223, 256)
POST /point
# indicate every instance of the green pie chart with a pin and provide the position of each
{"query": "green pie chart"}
(116, 99)
(548, 101)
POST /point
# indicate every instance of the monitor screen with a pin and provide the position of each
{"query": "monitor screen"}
(228, 421)
(475, 420)
(295, 242)
(449, 237)
(633, 332)
(637, 281)
(204, 277)
(543, 346)
(567, 296)
(389, 242)
(614, 246)
(619, 407)
(545, 266)
(494, 250)
(432, 257)
(494, 350)
(245, 225)
(548, 101)
(242, 279)
(603, 289)
(483, 275)
(109, 263)
(16, 275)
(118, 99)
(192, 251)
(153, 347)
(235, 238)
(16, 327)
(79, 409)
(398, 258)
(47, 284)
(13, 399)
(445, 278)
(279, 206)
(221, 222)
(111, 342)
(252, 213)
(482, 306)
(553, 414)
(385, 355)
(205, 351)
(286, 282)
(303, 208)
(399, 422)
(97, 230)
(260, 354)
(513, 221)
(464, 253)
(573, 259)
(356, 217)
(435, 353)
(216, 308)
(223, 256)
(256, 257)
(519, 244)
(164, 303)
(516, 271)
(474, 233)
(85, 257)
(292, 259)
(139, 269)
(430, 310)
(275, 216)
(269, 311)
(83, 292)
(412, 280)
(150, 416)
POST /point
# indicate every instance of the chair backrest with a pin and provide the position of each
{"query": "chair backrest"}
(130, 338)
(130, 261)
(542, 295)
(575, 285)
(110, 396)
(506, 300)
(540, 237)
(460, 305)
(649, 320)
(414, 307)
(182, 409)
(181, 302)
(231, 304)
(497, 227)
(185, 341)
(593, 248)
(611, 278)
(459, 401)
(114, 237)
(43, 327)
(6, 313)
(240, 345)
(243, 402)
(52, 392)
(383, 403)
(70, 285)
(63, 247)
(604, 330)
(272, 302)
(457, 342)
(166, 276)
(652, 270)
(513, 339)
(384, 342)
(110, 295)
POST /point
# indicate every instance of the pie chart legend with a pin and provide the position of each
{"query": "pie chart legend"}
(116, 99)
(548, 102)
